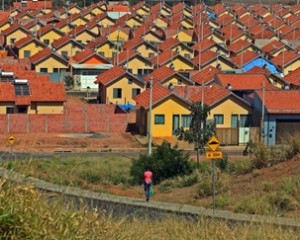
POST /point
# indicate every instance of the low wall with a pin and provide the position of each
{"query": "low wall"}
(76, 119)
(124, 206)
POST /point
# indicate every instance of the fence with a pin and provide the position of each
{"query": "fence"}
(76, 119)
(230, 136)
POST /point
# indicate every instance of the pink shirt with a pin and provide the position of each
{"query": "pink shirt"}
(148, 177)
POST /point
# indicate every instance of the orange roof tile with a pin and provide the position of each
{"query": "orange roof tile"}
(110, 75)
(279, 102)
(273, 45)
(86, 54)
(258, 70)
(293, 77)
(118, 8)
(168, 44)
(206, 75)
(159, 74)
(285, 58)
(244, 58)
(204, 58)
(238, 46)
(244, 82)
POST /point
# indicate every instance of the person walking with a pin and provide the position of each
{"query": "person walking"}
(147, 183)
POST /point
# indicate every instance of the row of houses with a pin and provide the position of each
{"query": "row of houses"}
(242, 61)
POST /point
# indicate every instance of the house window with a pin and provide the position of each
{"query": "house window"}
(12, 40)
(10, 110)
(44, 70)
(21, 89)
(179, 82)
(245, 120)
(186, 55)
(219, 118)
(117, 93)
(234, 121)
(46, 41)
(27, 53)
(101, 54)
(129, 81)
(64, 53)
(151, 54)
(140, 72)
(185, 121)
(159, 119)
(55, 70)
(135, 91)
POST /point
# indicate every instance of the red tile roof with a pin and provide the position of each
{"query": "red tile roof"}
(204, 58)
(110, 75)
(204, 45)
(168, 44)
(118, 8)
(244, 58)
(279, 102)
(238, 46)
(46, 52)
(293, 77)
(159, 74)
(258, 70)
(293, 35)
(164, 57)
(273, 46)
(34, 5)
(244, 82)
(285, 58)
(158, 94)
(206, 75)
(87, 54)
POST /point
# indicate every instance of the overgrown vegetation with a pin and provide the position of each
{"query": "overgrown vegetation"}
(166, 162)
(27, 214)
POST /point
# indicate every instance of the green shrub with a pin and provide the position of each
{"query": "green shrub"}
(283, 202)
(165, 186)
(223, 163)
(205, 188)
(262, 157)
(165, 162)
(293, 143)
(255, 205)
(239, 166)
(187, 180)
(223, 201)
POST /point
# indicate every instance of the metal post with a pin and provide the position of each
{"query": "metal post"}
(214, 185)
(149, 119)
(263, 115)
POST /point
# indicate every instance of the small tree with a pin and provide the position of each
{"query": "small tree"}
(165, 162)
(200, 130)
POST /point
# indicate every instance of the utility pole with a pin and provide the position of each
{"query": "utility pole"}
(150, 118)
(263, 115)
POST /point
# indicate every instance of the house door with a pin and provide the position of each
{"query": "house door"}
(175, 124)
(244, 129)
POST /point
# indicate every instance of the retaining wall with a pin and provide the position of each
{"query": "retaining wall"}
(121, 206)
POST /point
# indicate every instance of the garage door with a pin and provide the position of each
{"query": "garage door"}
(285, 129)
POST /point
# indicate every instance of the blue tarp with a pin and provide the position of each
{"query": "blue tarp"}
(261, 62)
(126, 107)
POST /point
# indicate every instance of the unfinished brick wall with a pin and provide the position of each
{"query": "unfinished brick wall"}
(78, 118)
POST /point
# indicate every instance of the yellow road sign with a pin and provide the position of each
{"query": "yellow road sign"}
(11, 140)
(213, 143)
(214, 154)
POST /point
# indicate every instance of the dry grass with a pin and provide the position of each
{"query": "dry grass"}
(27, 214)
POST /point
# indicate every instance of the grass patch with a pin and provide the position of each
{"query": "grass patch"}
(27, 214)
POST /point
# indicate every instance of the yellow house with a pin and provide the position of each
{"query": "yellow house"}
(168, 77)
(64, 26)
(48, 34)
(134, 21)
(185, 36)
(67, 47)
(133, 62)
(73, 8)
(171, 109)
(161, 23)
(15, 11)
(82, 34)
(142, 8)
(103, 47)
(4, 24)
(210, 58)
(178, 47)
(119, 35)
(47, 61)
(104, 20)
(146, 49)
(98, 8)
(77, 20)
(118, 86)
(173, 60)
(28, 46)
(14, 33)
(154, 36)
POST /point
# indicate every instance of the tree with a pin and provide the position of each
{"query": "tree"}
(200, 130)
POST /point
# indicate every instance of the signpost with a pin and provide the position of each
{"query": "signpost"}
(213, 145)
(11, 141)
